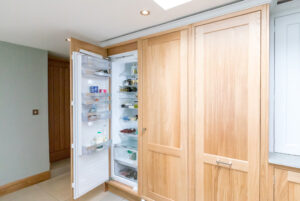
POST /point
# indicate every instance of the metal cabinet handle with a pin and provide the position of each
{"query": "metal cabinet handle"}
(224, 163)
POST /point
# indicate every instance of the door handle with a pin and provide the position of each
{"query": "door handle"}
(219, 162)
(144, 130)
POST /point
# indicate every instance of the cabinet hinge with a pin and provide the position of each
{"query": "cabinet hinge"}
(73, 185)
(72, 103)
(72, 146)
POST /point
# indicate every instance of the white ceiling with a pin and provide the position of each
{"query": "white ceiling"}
(45, 24)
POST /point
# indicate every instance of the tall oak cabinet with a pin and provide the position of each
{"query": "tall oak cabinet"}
(227, 93)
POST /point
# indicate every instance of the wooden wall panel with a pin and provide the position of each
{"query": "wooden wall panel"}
(59, 109)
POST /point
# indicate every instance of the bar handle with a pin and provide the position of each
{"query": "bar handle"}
(219, 162)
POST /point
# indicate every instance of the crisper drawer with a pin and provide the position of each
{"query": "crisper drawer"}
(126, 172)
(126, 156)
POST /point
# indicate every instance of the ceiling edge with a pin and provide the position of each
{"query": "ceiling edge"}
(205, 15)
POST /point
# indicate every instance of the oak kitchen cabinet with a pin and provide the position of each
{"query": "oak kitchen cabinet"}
(227, 88)
(203, 105)
(287, 184)
(227, 94)
(164, 116)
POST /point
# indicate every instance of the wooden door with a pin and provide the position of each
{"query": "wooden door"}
(164, 108)
(227, 116)
(287, 185)
(59, 109)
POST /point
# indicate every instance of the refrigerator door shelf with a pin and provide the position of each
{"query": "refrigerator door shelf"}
(96, 94)
(87, 150)
(97, 116)
(89, 103)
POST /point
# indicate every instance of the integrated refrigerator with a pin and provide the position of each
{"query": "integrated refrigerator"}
(105, 120)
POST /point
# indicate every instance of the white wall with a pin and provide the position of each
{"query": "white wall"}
(24, 145)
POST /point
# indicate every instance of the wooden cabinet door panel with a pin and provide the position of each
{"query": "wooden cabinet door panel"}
(164, 92)
(227, 93)
(287, 185)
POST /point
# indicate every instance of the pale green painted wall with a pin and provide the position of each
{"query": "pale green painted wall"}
(24, 146)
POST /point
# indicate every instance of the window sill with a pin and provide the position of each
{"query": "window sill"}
(284, 160)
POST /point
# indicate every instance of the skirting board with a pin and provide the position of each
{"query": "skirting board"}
(22, 183)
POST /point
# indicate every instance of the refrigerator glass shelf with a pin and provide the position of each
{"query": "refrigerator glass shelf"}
(127, 162)
(95, 63)
(124, 98)
(129, 93)
(129, 118)
(129, 108)
(129, 144)
(95, 76)
(129, 75)
(128, 136)
(86, 150)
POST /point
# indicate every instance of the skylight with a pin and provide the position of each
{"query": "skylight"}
(168, 4)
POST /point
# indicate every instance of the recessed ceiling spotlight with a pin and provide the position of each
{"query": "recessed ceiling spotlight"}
(167, 4)
(145, 12)
(68, 39)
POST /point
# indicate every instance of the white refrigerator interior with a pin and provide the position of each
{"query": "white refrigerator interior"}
(124, 118)
(105, 117)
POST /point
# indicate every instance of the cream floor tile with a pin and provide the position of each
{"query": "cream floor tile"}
(33, 193)
(60, 167)
(58, 187)
(100, 195)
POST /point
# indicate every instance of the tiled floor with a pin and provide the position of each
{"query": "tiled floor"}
(60, 167)
(57, 189)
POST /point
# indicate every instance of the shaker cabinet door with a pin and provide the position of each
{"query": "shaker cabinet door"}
(227, 112)
(164, 95)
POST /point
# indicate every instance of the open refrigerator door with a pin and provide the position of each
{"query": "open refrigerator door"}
(91, 122)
